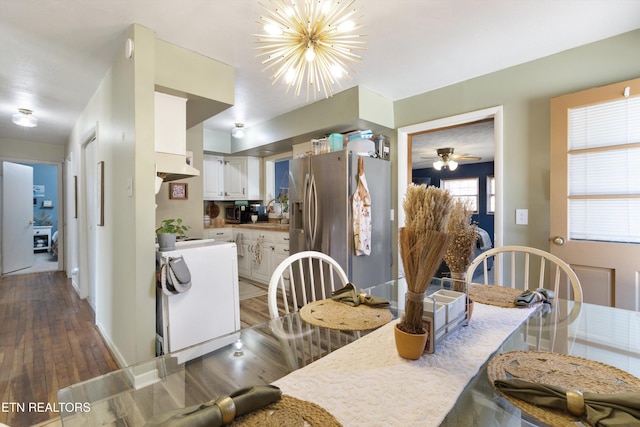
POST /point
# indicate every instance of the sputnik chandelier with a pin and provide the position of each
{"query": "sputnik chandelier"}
(309, 42)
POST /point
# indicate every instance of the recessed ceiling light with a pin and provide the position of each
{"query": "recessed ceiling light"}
(25, 117)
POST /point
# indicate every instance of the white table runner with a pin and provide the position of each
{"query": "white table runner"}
(366, 383)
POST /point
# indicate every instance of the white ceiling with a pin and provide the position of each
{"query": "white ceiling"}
(54, 54)
(471, 140)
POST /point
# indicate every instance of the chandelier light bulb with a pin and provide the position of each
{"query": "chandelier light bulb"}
(310, 55)
(346, 26)
(438, 164)
(291, 75)
(336, 71)
(273, 29)
(452, 164)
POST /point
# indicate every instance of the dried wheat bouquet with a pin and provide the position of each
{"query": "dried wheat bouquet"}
(463, 239)
(423, 242)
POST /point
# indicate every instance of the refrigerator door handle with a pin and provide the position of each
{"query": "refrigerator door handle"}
(306, 214)
(314, 193)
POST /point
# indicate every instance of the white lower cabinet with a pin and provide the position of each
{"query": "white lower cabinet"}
(262, 253)
(280, 253)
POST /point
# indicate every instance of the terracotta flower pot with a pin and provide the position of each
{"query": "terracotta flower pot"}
(410, 346)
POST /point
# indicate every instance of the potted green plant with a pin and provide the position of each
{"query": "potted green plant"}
(168, 231)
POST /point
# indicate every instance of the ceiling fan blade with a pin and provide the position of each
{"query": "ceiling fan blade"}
(465, 157)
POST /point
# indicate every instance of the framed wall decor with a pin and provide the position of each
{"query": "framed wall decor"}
(178, 190)
(101, 193)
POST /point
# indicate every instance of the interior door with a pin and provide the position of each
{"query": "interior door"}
(17, 217)
(595, 190)
(91, 219)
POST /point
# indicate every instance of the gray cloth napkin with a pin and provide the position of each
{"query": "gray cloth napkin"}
(348, 295)
(529, 298)
(601, 410)
(208, 414)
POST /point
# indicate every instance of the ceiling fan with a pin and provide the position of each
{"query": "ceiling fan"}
(447, 160)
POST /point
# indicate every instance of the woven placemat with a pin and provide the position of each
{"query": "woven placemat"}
(336, 315)
(561, 370)
(500, 296)
(288, 411)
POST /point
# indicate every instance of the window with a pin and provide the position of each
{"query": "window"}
(604, 177)
(465, 189)
(491, 194)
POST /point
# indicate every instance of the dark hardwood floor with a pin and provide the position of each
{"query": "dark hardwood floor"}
(48, 341)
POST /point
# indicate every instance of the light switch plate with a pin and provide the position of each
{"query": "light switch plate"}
(522, 216)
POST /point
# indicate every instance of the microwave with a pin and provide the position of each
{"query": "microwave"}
(238, 214)
(233, 214)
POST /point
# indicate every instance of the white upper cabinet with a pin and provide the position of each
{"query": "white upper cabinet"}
(170, 124)
(235, 178)
(213, 177)
(232, 178)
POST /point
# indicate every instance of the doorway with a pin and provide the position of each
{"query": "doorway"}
(33, 198)
(88, 230)
(405, 135)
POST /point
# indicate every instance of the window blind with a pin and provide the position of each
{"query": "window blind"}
(604, 172)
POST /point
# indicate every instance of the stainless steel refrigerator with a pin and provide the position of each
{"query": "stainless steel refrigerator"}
(320, 193)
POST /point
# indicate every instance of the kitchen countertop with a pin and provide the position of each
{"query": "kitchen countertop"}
(269, 226)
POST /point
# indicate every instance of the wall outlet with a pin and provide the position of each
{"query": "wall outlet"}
(522, 216)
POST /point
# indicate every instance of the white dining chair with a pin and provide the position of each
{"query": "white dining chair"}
(299, 279)
(526, 268)
(520, 263)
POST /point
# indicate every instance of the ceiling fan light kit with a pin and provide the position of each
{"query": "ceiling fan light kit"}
(446, 159)
(449, 164)
(309, 42)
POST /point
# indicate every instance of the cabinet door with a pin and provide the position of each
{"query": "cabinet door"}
(235, 178)
(261, 272)
(170, 123)
(245, 258)
(213, 177)
(254, 169)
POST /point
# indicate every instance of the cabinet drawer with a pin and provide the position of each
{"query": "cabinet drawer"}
(221, 234)
(282, 250)
(281, 237)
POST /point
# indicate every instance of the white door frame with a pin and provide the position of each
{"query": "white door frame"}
(496, 113)
(86, 277)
